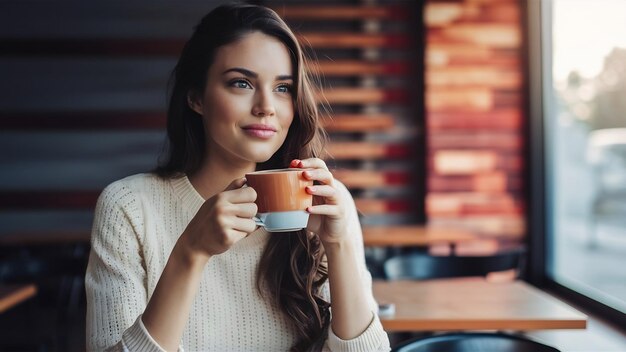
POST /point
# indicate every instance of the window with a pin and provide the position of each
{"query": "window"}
(585, 147)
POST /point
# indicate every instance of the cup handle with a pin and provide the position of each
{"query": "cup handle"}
(258, 221)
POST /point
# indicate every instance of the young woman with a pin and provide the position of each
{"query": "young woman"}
(177, 261)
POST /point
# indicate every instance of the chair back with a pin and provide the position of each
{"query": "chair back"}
(474, 342)
(34, 269)
(60, 285)
(422, 266)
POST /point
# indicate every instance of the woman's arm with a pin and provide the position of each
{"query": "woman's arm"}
(353, 305)
(354, 324)
(167, 311)
(116, 275)
(351, 311)
(221, 221)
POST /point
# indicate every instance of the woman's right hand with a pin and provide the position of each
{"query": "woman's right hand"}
(221, 221)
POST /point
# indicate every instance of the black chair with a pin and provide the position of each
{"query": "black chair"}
(60, 283)
(473, 342)
(422, 266)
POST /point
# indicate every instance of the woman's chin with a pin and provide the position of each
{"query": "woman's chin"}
(260, 157)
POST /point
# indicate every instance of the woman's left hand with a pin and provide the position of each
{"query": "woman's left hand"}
(328, 214)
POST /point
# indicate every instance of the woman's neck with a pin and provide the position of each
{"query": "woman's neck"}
(217, 173)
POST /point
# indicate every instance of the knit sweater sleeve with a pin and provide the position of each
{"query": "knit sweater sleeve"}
(116, 276)
(373, 338)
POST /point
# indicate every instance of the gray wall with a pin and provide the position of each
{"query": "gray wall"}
(35, 159)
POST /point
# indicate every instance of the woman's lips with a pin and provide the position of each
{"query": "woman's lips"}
(260, 131)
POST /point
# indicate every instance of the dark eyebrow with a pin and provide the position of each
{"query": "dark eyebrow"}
(243, 71)
(251, 74)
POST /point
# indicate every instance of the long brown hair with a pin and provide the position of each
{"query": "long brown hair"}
(292, 268)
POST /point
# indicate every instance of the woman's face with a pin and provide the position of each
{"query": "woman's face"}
(247, 104)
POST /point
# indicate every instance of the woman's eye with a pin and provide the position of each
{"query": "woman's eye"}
(285, 88)
(241, 84)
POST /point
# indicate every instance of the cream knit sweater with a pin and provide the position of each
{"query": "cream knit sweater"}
(137, 222)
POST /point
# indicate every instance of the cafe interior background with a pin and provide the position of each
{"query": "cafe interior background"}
(499, 121)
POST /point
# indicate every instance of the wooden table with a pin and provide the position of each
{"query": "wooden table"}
(12, 295)
(412, 235)
(473, 304)
(419, 236)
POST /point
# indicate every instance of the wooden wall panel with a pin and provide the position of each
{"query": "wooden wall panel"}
(369, 56)
(475, 120)
(86, 106)
(473, 94)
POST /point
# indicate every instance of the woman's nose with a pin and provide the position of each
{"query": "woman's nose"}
(263, 105)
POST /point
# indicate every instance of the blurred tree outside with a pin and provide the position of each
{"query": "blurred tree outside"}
(608, 106)
(598, 102)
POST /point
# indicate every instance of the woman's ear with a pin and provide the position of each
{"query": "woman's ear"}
(194, 103)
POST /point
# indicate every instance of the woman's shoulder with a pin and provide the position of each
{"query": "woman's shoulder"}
(131, 188)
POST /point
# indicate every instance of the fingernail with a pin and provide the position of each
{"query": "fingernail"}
(309, 189)
(300, 164)
(295, 162)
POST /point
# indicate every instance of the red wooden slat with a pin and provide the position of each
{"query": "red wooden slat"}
(337, 12)
(86, 200)
(354, 40)
(480, 139)
(370, 206)
(503, 119)
(85, 120)
(91, 47)
(45, 238)
(141, 120)
(126, 47)
(365, 150)
(37, 200)
(356, 68)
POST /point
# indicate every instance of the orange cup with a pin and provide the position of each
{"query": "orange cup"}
(281, 199)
